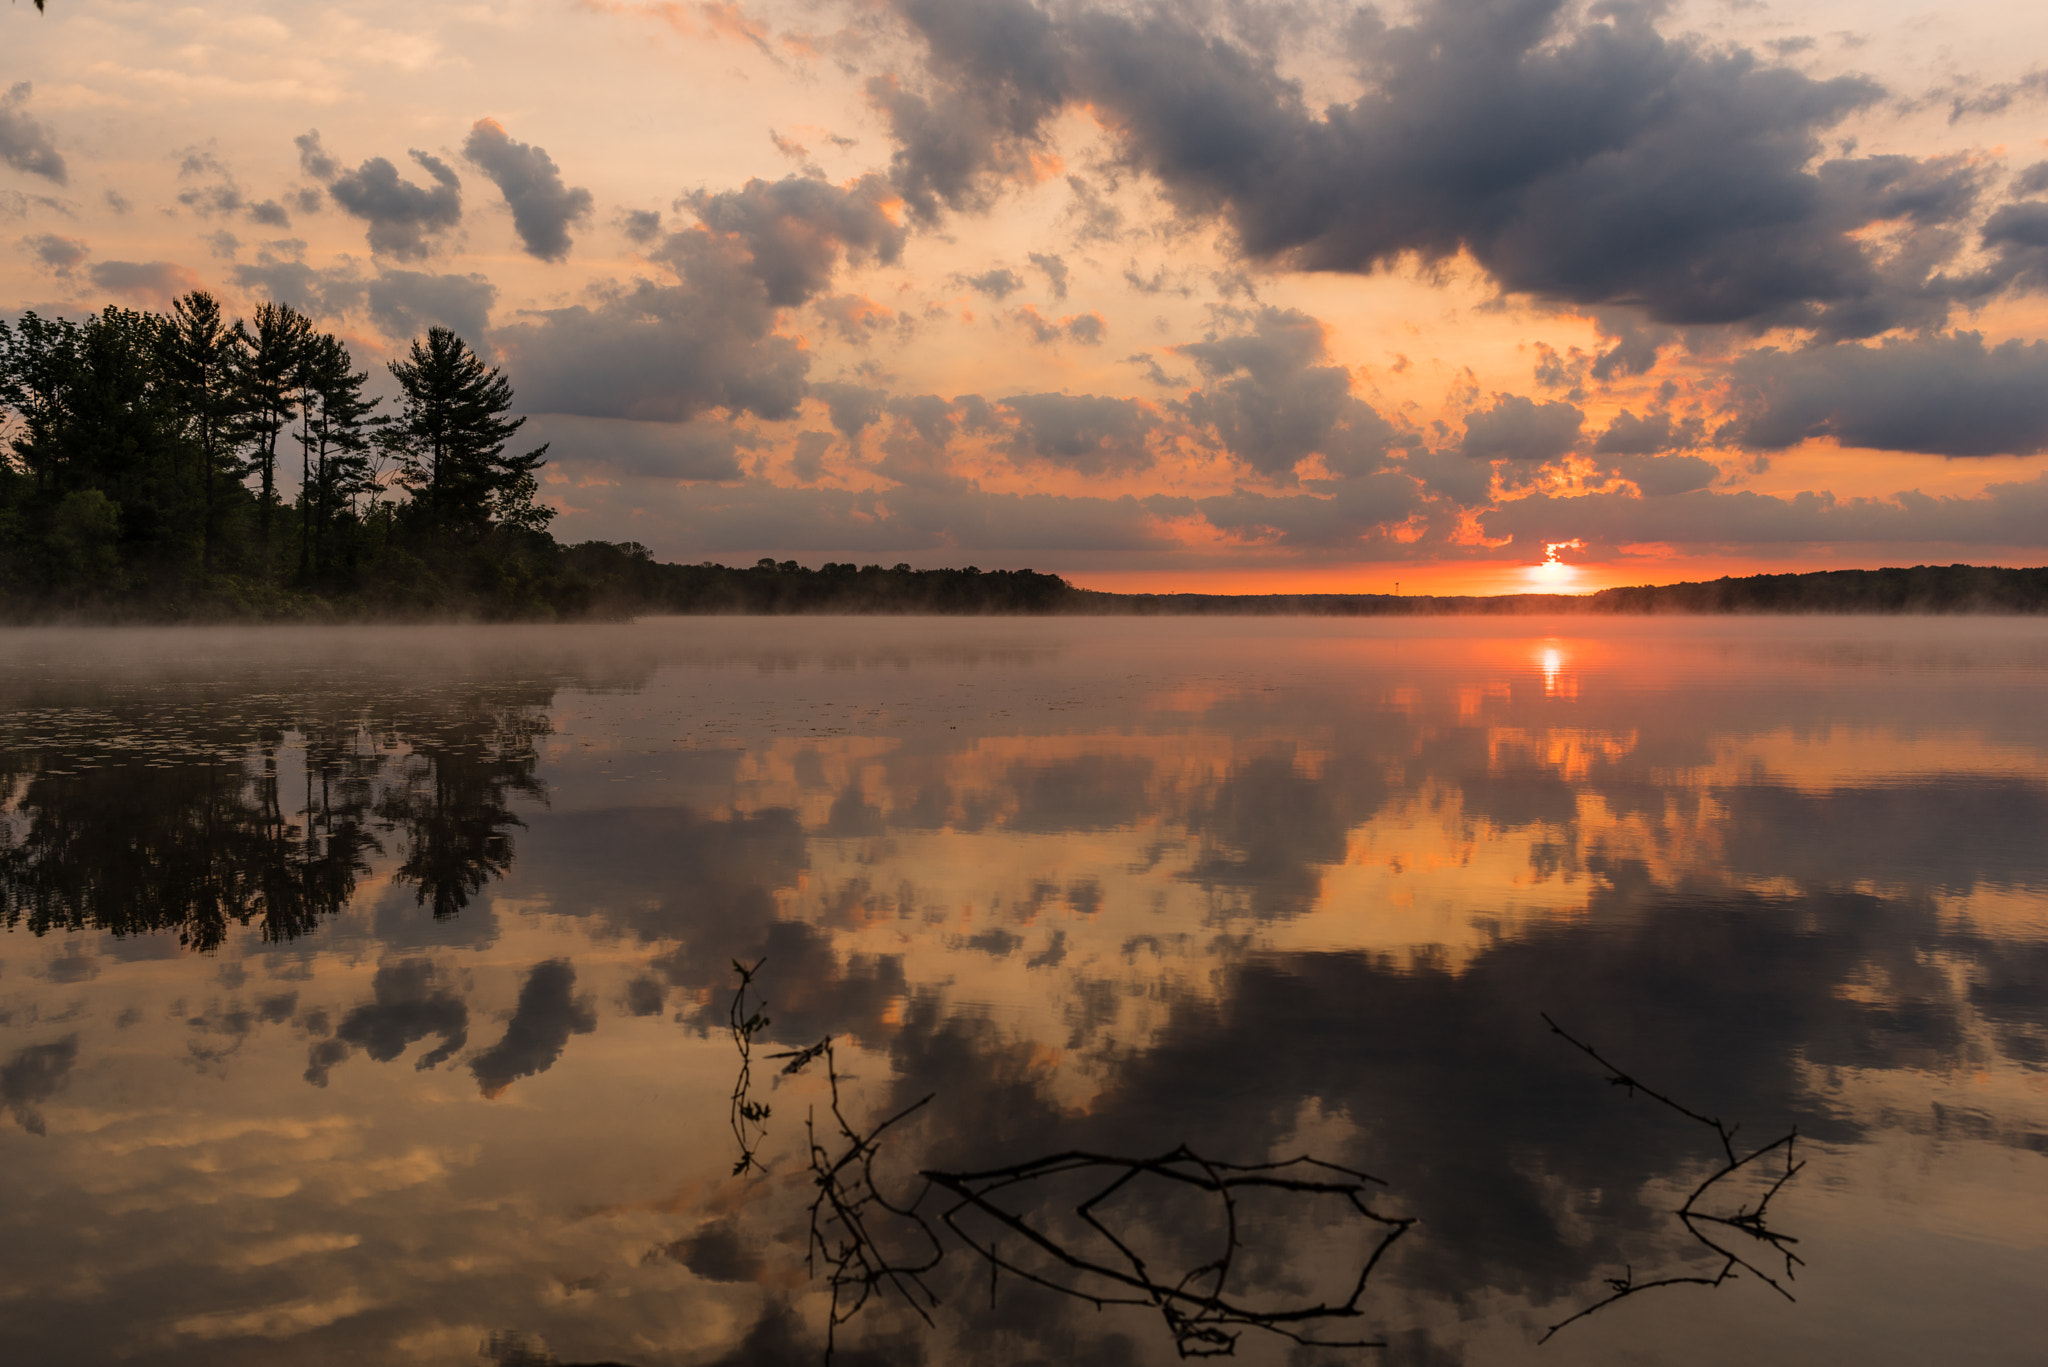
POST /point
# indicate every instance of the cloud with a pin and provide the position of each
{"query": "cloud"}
(279, 275)
(997, 284)
(852, 406)
(665, 352)
(640, 225)
(653, 450)
(2032, 181)
(1657, 476)
(406, 303)
(25, 142)
(542, 207)
(314, 159)
(1350, 514)
(35, 1074)
(1520, 429)
(951, 518)
(2019, 234)
(1629, 435)
(59, 255)
(402, 216)
(2004, 515)
(858, 318)
(797, 229)
(1947, 395)
(1273, 400)
(1088, 433)
(1088, 329)
(1577, 156)
(409, 1002)
(546, 1015)
(1055, 271)
(218, 193)
(152, 283)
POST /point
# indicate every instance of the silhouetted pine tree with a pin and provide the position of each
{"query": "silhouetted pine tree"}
(449, 440)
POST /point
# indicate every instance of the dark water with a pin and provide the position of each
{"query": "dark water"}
(366, 997)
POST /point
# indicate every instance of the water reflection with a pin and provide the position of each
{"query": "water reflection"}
(1109, 890)
(151, 815)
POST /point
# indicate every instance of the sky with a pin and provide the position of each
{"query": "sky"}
(1303, 296)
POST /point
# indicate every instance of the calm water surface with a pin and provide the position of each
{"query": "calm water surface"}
(367, 996)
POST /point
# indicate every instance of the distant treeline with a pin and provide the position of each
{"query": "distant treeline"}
(626, 579)
(1920, 589)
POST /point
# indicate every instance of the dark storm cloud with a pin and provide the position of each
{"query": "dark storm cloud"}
(1521, 429)
(1273, 399)
(409, 1002)
(406, 303)
(797, 229)
(665, 352)
(1578, 157)
(1946, 395)
(25, 141)
(35, 1074)
(547, 1014)
(59, 255)
(1086, 433)
(542, 206)
(403, 216)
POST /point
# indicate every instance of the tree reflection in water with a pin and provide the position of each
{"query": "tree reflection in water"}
(187, 830)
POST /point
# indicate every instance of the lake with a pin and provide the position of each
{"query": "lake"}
(1019, 991)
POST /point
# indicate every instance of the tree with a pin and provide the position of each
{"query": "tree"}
(334, 442)
(267, 376)
(449, 440)
(205, 356)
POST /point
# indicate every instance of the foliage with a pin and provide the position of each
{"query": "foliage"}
(143, 476)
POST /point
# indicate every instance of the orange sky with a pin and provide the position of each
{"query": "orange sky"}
(843, 282)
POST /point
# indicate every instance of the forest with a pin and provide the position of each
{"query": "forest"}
(186, 465)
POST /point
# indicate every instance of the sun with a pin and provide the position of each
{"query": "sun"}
(1554, 575)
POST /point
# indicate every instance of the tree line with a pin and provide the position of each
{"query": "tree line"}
(145, 459)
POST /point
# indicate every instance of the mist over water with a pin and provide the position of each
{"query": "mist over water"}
(365, 994)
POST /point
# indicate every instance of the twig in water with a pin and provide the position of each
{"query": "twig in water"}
(749, 1117)
(842, 1213)
(1748, 1221)
(1205, 1321)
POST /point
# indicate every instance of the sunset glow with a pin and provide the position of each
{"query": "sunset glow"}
(842, 282)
